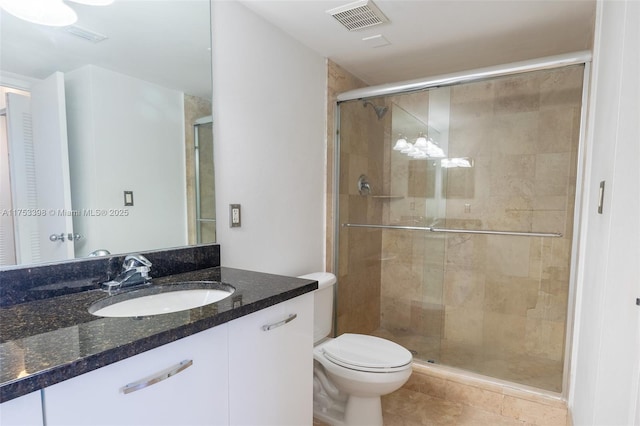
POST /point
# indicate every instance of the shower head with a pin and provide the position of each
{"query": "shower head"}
(380, 110)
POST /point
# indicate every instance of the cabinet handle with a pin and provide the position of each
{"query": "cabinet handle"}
(279, 323)
(152, 380)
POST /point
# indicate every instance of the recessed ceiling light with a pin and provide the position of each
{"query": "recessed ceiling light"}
(53, 13)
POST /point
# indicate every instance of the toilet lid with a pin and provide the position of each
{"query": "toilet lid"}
(366, 353)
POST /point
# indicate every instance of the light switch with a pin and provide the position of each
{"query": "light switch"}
(235, 215)
(128, 198)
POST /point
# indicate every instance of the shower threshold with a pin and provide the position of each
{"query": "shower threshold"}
(540, 373)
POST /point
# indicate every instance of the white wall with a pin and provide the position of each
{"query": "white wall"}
(126, 134)
(606, 350)
(269, 126)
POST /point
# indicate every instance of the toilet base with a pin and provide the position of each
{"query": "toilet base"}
(358, 411)
(363, 411)
(346, 396)
(328, 402)
(331, 416)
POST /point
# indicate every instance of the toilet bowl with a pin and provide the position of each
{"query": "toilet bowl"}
(351, 371)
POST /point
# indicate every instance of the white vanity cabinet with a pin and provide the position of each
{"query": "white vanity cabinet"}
(23, 411)
(194, 394)
(271, 365)
(255, 370)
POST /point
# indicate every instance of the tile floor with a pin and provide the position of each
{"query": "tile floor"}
(441, 397)
(409, 408)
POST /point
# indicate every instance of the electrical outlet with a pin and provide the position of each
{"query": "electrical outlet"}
(234, 215)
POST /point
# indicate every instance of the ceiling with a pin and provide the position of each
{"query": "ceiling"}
(432, 37)
(163, 41)
(167, 41)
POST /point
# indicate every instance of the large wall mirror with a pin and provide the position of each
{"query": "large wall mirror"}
(106, 138)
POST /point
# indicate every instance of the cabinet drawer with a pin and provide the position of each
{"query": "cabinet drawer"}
(183, 382)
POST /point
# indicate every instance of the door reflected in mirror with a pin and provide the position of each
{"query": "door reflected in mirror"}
(106, 142)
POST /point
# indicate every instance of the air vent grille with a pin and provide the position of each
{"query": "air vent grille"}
(358, 15)
(86, 34)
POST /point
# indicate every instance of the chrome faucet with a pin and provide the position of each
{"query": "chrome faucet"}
(135, 271)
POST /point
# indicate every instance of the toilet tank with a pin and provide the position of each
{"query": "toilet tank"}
(322, 303)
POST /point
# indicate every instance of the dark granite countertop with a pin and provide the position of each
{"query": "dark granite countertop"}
(46, 341)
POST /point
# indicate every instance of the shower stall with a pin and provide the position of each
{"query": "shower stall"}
(205, 207)
(455, 218)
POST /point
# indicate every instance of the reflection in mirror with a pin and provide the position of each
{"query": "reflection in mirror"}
(421, 119)
(205, 193)
(433, 173)
(106, 132)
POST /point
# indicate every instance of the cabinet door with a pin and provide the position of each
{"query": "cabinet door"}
(271, 370)
(25, 410)
(197, 395)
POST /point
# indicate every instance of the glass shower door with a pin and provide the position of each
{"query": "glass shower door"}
(412, 311)
(456, 222)
(389, 279)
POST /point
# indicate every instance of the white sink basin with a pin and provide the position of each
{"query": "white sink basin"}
(156, 300)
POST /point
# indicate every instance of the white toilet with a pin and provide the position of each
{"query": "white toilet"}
(352, 371)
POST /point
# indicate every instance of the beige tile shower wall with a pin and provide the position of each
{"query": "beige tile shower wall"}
(194, 108)
(412, 265)
(362, 147)
(362, 139)
(358, 306)
(338, 80)
(522, 133)
(503, 296)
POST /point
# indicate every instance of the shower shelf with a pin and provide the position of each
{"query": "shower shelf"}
(454, 231)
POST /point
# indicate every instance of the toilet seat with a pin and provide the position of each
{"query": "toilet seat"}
(367, 353)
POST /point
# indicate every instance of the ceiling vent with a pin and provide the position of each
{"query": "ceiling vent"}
(89, 35)
(358, 15)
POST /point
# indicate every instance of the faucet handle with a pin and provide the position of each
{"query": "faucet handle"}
(135, 260)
